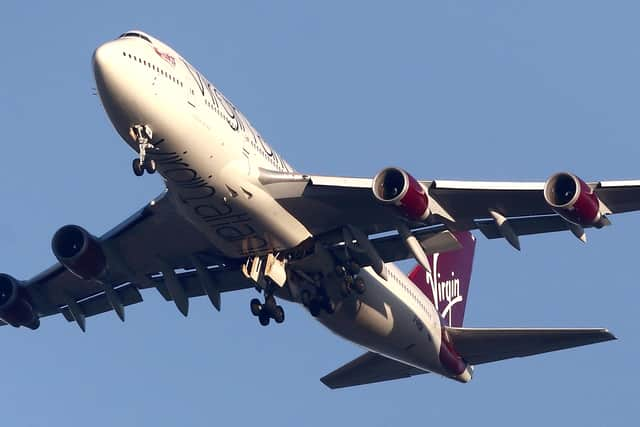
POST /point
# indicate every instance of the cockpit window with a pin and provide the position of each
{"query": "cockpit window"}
(142, 36)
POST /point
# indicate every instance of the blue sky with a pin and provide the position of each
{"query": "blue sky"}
(455, 90)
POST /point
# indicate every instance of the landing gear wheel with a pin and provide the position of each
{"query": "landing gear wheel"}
(345, 289)
(358, 286)
(270, 306)
(329, 306)
(315, 307)
(353, 267)
(305, 297)
(264, 318)
(137, 167)
(256, 307)
(150, 166)
(278, 316)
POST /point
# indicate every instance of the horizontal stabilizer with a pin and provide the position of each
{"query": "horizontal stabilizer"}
(369, 368)
(484, 345)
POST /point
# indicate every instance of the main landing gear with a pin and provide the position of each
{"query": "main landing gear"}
(143, 136)
(318, 302)
(267, 275)
(267, 311)
(351, 282)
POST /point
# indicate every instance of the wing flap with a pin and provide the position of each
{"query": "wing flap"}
(484, 345)
(367, 369)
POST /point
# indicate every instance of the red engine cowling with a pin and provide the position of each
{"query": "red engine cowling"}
(80, 252)
(395, 186)
(15, 307)
(573, 199)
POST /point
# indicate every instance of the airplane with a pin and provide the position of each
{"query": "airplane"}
(235, 215)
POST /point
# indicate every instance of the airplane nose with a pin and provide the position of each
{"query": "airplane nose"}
(100, 60)
(104, 67)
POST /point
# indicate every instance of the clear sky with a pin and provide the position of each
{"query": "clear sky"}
(455, 90)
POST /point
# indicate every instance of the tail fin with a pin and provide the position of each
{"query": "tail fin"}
(448, 283)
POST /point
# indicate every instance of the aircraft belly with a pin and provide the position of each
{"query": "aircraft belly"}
(212, 189)
(383, 323)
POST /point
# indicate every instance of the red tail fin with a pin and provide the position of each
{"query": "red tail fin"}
(448, 284)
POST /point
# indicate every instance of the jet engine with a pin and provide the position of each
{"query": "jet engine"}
(396, 187)
(15, 307)
(80, 252)
(571, 198)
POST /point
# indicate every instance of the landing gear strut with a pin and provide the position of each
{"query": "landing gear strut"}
(143, 136)
(351, 282)
(267, 311)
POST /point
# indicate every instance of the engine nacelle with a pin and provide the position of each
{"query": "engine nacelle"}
(80, 252)
(395, 186)
(571, 198)
(15, 307)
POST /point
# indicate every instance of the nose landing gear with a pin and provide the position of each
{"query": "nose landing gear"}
(267, 311)
(143, 135)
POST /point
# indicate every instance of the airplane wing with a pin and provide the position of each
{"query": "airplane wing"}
(367, 369)
(324, 203)
(154, 240)
(485, 345)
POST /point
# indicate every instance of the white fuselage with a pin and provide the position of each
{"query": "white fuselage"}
(392, 318)
(208, 153)
(210, 157)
